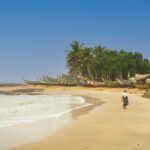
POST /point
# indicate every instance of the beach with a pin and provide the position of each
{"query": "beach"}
(101, 125)
(75, 75)
(106, 127)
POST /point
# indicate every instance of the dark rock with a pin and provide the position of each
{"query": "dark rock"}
(147, 93)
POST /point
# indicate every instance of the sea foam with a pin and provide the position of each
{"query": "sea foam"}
(31, 108)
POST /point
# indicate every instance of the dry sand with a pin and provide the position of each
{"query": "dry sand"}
(106, 127)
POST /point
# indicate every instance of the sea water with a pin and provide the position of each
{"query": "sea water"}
(27, 118)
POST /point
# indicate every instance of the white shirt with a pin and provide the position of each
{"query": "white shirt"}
(125, 94)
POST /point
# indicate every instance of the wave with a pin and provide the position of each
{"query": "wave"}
(30, 108)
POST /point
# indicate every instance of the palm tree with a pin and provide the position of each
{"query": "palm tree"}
(87, 63)
(98, 53)
(74, 58)
(101, 63)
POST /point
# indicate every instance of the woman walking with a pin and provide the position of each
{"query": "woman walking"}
(125, 99)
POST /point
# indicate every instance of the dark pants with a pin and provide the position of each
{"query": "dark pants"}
(125, 102)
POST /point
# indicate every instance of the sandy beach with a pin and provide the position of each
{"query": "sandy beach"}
(106, 127)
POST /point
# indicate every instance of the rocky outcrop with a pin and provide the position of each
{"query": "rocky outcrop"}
(147, 93)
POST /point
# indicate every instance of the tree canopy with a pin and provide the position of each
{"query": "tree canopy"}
(100, 63)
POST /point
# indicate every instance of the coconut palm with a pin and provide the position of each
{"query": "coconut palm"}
(101, 63)
(74, 58)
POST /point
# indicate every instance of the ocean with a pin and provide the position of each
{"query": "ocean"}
(28, 118)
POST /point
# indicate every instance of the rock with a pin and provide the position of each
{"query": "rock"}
(147, 81)
(147, 93)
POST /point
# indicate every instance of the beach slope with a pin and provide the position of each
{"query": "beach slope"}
(107, 127)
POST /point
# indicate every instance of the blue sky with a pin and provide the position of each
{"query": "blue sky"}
(34, 34)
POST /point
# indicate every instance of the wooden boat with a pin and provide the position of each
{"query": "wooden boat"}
(141, 77)
(125, 83)
(48, 84)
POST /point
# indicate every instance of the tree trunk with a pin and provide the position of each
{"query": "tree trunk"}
(90, 75)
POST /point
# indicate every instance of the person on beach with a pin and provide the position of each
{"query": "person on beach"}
(125, 99)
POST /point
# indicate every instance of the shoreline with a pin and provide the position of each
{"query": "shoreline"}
(106, 127)
(74, 114)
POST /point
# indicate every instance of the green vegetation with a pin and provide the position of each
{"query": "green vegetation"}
(102, 64)
(88, 65)
(59, 80)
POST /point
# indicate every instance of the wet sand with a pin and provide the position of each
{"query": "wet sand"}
(106, 127)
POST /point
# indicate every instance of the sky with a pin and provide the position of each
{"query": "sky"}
(34, 34)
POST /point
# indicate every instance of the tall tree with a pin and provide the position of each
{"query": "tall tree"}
(74, 58)
(101, 63)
